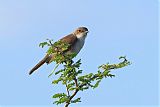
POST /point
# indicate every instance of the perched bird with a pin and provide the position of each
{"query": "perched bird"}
(76, 41)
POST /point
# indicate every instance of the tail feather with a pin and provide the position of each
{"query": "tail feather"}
(39, 64)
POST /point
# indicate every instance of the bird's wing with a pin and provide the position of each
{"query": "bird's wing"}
(70, 39)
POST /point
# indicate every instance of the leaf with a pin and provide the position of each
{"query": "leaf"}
(43, 44)
(54, 70)
(70, 85)
(97, 84)
(59, 71)
(59, 95)
(78, 72)
(105, 73)
(77, 64)
(63, 99)
(76, 100)
(84, 88)
(111, 75)
(72, 88)
(56, 102)
(57, 81)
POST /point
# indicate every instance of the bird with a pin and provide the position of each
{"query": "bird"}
(76, 41)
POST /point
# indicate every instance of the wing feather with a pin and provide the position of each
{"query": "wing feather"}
(70, 39)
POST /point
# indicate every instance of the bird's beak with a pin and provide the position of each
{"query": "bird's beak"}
(87, 31)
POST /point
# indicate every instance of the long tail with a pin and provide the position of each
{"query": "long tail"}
(39, 64)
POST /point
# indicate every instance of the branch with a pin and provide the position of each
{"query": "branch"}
(76, 91)
(67, 90)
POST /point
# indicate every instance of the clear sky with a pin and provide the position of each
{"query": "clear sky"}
(117, 28)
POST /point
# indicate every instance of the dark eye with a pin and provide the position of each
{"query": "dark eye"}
(79, 30)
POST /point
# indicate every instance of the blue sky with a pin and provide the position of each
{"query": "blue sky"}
(117, 28)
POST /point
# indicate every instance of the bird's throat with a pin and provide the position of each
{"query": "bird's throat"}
(79, 43)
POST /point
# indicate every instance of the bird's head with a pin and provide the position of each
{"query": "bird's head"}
(81, 32)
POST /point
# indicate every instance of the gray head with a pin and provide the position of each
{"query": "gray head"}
(81, 31)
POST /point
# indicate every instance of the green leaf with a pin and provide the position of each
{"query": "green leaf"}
(60, 71)
(111, 75)
(84, 88)
(63, 99)
(72, 88)
(57, 81)
(97, 84)
(59, 95)
(76, 100)
(54, 70)
(43, 44)
(70, 85)
(105, 73)
(77, 64)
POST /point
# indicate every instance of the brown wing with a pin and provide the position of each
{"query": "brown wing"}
(70, 39)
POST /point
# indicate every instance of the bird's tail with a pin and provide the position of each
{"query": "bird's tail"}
(39, 64)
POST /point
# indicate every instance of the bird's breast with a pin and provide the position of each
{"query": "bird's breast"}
(78, 45)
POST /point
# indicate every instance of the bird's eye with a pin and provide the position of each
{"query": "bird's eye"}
(79, 30)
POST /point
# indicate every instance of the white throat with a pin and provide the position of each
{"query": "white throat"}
(81, 35)
(80, 42)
